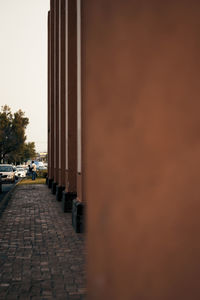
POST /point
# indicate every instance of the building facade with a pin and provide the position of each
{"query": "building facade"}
(124, 141)
(64, 115)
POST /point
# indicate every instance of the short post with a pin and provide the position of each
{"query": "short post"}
(0, 184)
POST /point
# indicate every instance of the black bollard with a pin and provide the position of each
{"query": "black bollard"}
(0, 185)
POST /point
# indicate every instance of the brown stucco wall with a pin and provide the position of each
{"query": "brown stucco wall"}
(141, 148)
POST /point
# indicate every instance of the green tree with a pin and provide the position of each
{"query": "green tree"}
(12, 133)
(29, 151)
(26, 152)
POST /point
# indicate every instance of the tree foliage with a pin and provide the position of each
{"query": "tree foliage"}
(26, 153)
(12, 136)
(29, 151)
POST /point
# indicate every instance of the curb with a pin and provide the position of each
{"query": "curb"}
(6, 198)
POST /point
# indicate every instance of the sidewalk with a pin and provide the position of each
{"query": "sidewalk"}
(41, 257)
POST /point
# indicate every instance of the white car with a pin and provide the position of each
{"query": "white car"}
(20, 172)
(7, 173)
(22, 167)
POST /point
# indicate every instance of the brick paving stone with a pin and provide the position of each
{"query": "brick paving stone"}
(41, 257)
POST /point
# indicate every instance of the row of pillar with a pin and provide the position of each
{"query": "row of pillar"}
(135, 148)
(64, 117)
(132, 149)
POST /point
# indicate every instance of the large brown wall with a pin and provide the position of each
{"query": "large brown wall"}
(141, 148)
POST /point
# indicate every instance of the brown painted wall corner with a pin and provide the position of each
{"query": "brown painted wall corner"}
(140, 89)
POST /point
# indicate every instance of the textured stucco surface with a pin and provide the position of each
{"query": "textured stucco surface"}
(141, 162)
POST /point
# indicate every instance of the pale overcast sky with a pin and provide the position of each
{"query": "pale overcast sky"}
(23, 63)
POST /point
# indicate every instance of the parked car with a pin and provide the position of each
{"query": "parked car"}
(20, 172)
(42, 168)
(38, 164)
(7, 173)
(24, 167)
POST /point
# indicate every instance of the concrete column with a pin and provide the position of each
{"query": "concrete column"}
(52, 88)
(78, 206)
(62, 101)
(49, 100)
(70, 184)
(56, 96)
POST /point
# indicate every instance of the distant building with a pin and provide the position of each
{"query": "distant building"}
(42, 156)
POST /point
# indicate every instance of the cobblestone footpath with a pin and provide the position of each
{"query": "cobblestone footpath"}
(41, 257)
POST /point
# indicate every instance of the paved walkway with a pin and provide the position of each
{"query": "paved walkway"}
(41, 257)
